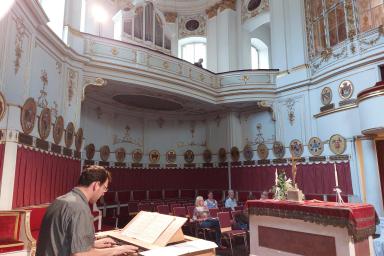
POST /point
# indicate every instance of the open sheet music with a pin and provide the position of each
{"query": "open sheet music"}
(147, 226)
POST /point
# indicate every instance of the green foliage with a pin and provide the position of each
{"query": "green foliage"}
(280, 189)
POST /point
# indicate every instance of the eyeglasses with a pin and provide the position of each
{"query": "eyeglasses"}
(105, 188)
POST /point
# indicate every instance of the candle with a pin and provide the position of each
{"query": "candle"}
(276, 179)
(336, 180)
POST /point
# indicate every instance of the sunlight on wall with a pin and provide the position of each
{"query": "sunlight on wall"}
(192, 49)
(55, 13)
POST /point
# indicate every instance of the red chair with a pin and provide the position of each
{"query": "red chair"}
(235, 212)
(225, 209)
(145, 207)
(173, 205)
(237, 208)
(213, 212)
(227, 232)
(179, 211)
(163, 209)
(190, 209)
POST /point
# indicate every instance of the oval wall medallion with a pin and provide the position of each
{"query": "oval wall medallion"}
(192, 25)
(189, 156)
(222, 155)
(315, 146)
(278, 149)
(69, 134)
(346, 89)
(326, 96)
(44, 123)
(235, 154)
(120, 155)
(79, 139)
(207, 156)
(296, 148)
(262, 151)
(28, 115)
(248, 153)
(171, 156)
(337, 144)
(253, 5)
(154, 156)
(137, 155)
(90, 151)
(104, 153)
(58, 129)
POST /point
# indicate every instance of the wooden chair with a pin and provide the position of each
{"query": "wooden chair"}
(213, 212)
(227, 232)
(163, 209)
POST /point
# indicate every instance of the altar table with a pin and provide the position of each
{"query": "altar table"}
(311, 228)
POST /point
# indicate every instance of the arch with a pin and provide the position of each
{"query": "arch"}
(262, 53)
(257, 21)
(196, 44)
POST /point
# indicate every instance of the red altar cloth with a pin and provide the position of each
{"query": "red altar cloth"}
(359, 219)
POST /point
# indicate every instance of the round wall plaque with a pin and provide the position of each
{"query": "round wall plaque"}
(44, 123)
(154, 156)
(58, 129)
(248, 153)
(235, 154)
(90, 151)
(79, 139)
(69, 133)
(296, 148)
(326, 96)
(171, 156)
(346, 89)
(337, 144)
(278, 149)
(28, 115)
(104, 153)
(262, 151)
(207, 156)
(222, 155)
(315, 146)
(189, 156)
(137, 155)
(120, 155)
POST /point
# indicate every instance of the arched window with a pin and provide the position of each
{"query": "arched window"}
(259, 54)
(192, 49)
(55, 13)
(254, 57)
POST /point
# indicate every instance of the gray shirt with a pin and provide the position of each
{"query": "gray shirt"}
(67, 226)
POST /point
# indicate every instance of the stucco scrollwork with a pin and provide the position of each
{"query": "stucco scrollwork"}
(247, 12)
(95, 81)
(20, 32)
(195, 25)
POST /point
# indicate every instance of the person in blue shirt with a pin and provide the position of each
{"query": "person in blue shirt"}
(211, 202)
(231, 201)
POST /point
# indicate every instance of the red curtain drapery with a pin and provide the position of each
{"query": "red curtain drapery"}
(40, 177)
(380, 161)
(155, 179)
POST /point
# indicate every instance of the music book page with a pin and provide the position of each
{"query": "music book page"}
(147, 226)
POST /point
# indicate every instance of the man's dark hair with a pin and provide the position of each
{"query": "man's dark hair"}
(94, 173)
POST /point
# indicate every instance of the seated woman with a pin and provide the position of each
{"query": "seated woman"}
(201, 215)
(211, 202)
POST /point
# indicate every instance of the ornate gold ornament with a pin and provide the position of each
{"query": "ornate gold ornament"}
(20, 33)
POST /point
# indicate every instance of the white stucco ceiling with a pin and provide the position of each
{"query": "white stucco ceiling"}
(179, 6)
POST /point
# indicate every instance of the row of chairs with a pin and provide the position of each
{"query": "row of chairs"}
(224, 215)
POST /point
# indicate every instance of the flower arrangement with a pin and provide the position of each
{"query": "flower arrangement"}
(282, 185)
